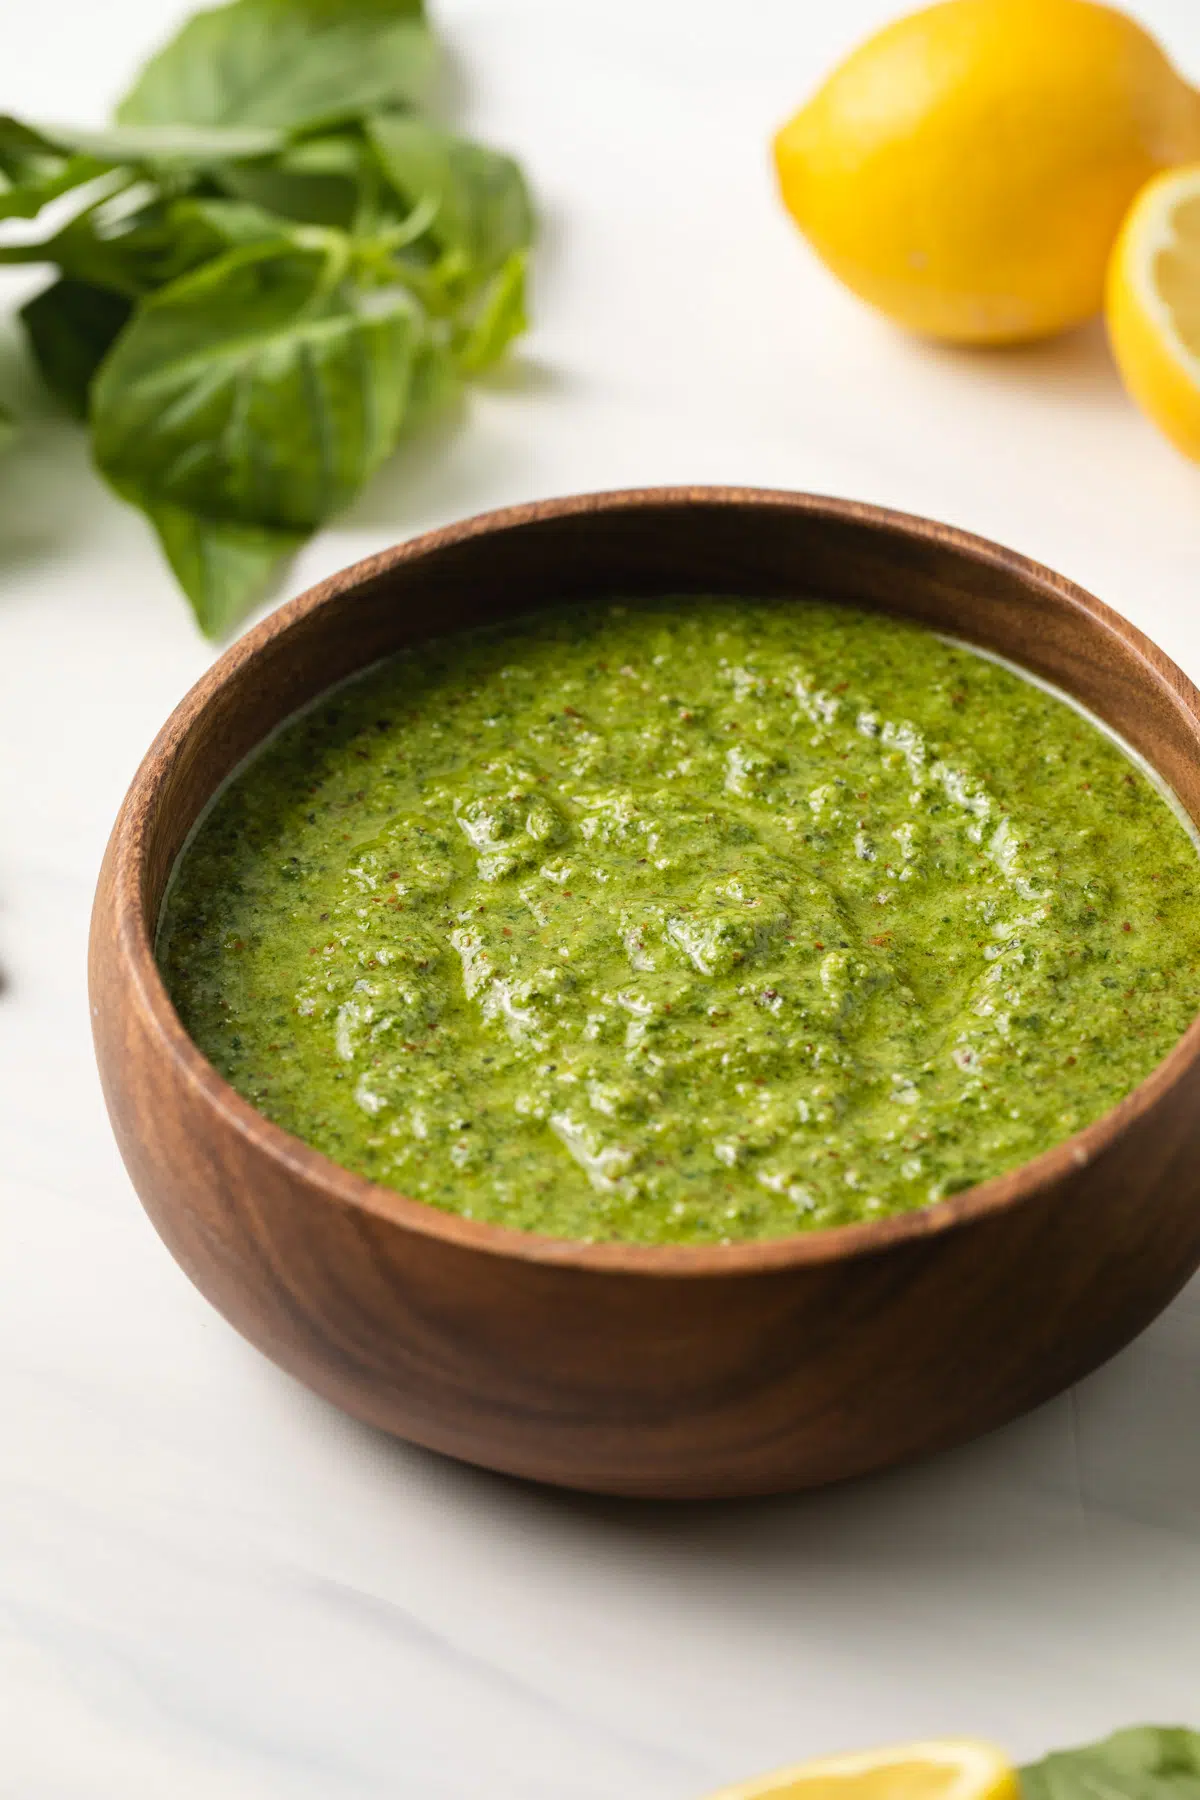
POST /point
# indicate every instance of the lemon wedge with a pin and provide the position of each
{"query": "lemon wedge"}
(1153, 305)
(939, 1769)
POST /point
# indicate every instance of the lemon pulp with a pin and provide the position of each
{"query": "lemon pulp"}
(939, 1769)
(1153, 305)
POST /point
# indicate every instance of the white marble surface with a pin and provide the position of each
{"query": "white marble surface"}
(210, 1583)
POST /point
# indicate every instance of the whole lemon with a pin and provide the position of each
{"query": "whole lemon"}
(967, 169)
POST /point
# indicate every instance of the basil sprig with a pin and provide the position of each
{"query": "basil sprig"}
(273, 266)
(1147, 1762)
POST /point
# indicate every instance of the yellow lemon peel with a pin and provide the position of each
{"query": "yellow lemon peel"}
(966, 170)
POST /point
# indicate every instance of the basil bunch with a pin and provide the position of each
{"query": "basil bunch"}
(277, 265)
(1147, 1762)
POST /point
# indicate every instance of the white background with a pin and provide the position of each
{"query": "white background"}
(210, 1583)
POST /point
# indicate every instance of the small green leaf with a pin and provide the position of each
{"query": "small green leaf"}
(25, 199)
(169, 239)
(220, 225)
(287, 63)
(435, 378)
(321, 181)
(163, 146)
(257, 390)
(20, 144)
(224, 568)
(496, 320)
(71, 327)
(84, 254)
(33, 171)
(483, 210)
(40, 162)
(1149, 1762)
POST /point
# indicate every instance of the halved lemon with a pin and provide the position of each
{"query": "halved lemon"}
(1153, 304)
(940, 1769)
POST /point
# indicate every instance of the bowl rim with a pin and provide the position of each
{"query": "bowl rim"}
(132, 933)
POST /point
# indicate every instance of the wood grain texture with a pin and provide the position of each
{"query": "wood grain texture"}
(626, 1369)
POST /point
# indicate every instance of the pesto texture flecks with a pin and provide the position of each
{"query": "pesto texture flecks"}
(686, 921)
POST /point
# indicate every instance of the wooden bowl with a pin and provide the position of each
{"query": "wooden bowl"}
(661, 1371)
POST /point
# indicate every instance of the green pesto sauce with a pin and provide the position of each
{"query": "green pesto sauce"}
(687, 921)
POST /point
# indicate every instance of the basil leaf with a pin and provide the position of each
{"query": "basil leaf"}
(170, 239)
(137, 252)
(40, 162)
(33, 171)
(20, 144)
(434, 380)
(1149, 1762)
(289, 63)
(483, 210)
(160, 145)
(322, 181)
(254, 391)
(71, 327)
(257, 394)
(83, 255)
(25, 199)
(222, 567)
(497, 319)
